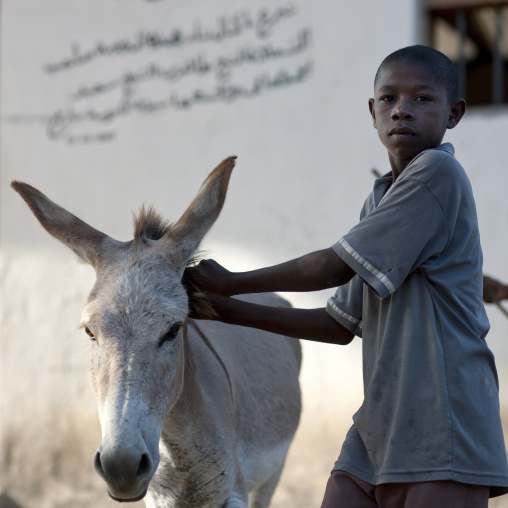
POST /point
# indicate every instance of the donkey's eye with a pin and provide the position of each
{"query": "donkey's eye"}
(90, 333)
(171, 333)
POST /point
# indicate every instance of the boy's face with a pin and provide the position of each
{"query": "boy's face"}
(411, 112)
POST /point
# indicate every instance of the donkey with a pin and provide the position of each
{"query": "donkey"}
(192, 414)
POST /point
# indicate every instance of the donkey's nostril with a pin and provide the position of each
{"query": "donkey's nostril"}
(145, 466)
(98, 466)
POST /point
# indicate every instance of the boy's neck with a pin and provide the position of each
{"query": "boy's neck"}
(399, 165)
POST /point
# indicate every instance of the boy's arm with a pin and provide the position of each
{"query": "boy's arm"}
(493, 290)
(309, 324)
(318, 270)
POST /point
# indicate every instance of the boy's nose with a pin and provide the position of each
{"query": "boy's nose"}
(402, 111)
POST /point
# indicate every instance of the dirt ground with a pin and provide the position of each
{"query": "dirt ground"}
(77, 486)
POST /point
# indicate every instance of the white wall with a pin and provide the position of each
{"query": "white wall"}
(305, 153)
(481, 146)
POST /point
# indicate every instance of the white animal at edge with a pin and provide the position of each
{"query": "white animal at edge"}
(193, 414)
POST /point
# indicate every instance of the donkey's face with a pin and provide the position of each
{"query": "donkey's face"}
(134, 317)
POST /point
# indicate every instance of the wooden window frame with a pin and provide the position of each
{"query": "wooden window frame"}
(462, 4)
(461, 7)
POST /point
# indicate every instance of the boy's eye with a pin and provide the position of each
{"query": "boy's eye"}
(387, 98)
(422, 98)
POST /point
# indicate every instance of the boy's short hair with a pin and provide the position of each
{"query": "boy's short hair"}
(441, 68)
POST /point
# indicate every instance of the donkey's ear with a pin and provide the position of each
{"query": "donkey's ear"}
(88, 243)
(188, 232)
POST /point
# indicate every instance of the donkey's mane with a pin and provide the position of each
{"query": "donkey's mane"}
(150, 225)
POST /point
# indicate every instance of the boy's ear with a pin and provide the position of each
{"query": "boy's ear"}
(372, 112)
(457, 110)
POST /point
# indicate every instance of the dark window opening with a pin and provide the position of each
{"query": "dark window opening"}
(474, 35)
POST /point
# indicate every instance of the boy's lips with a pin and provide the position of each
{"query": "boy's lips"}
(402, 131)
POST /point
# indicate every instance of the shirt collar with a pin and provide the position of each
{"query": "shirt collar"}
(382, 181)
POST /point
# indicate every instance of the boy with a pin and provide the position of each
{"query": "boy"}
(428, 433)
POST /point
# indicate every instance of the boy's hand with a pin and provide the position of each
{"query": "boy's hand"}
(493, 290)
(208, 277)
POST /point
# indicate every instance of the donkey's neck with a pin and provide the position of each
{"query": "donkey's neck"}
(193, 441)
(189, 409)
(203, 372)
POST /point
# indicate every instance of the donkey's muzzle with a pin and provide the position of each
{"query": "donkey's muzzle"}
(127, 470)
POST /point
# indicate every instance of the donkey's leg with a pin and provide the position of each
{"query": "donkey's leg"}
(260, 498)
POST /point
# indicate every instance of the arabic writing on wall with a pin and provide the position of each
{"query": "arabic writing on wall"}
(240, 56)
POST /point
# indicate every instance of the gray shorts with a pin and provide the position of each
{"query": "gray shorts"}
(344, 490)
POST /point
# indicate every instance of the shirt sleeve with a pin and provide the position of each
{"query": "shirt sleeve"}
(346, 305)
(407, 228)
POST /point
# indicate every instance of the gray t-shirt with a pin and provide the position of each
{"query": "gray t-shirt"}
(431, 406)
